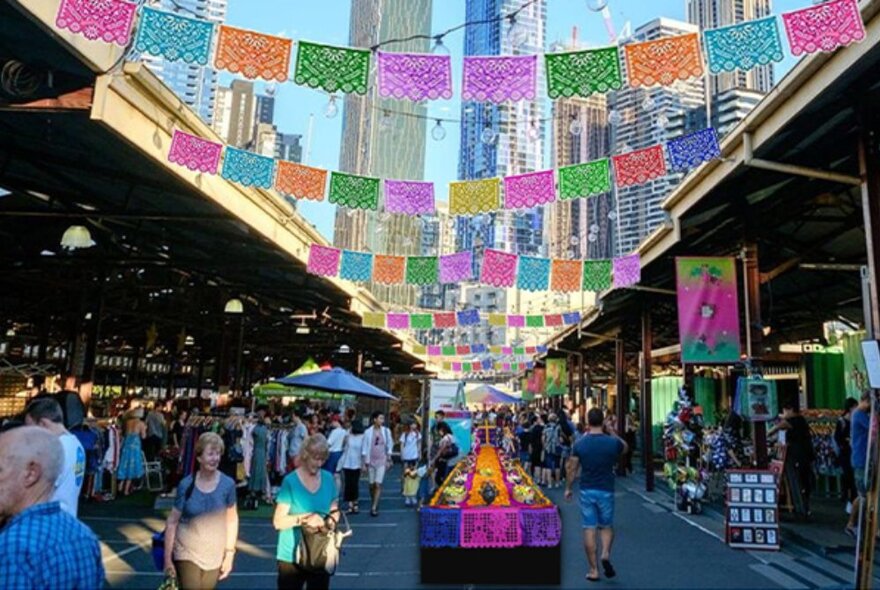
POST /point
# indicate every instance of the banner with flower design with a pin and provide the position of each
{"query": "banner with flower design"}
(389, 270)
(639, 166)
(524, 191)
(470, 197)
(585, 180)
(583, 73)
(333, 69)
(743, 46)
(109, 21)
(500, 79)
(174, 37)
(414, 76)
(664, 61)
(473, 317)
(354, 192)
(824, 27)
(253, 55)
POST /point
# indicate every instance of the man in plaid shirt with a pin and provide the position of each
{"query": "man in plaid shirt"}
(41, 545)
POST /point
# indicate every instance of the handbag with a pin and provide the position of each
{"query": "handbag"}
(158, 548)
(318, 552)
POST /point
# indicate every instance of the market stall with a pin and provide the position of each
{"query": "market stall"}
(490, 524)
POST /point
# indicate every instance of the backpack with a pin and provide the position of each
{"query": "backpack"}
(451, 451)
(551, 439)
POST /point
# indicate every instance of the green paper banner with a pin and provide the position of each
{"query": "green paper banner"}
(354, 192)
(422, 270)
(583, 73)
(421, 321)
(597, 275)
(585, 180)
(448, 351)
(334, 69)
(557, 377)
(534, 321)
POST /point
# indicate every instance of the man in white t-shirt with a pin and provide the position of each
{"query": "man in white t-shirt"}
(377, 456)
(46, 413)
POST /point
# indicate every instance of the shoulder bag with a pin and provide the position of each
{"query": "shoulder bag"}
(319, 551)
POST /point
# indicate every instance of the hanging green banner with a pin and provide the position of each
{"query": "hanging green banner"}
(422, 270)
(334, 69)
(597, 275)
(583, 73)
(557, 377)
(421, 321)
(585, 180)
(354, 192)
(534, 321)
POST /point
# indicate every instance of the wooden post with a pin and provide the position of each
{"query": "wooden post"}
(646, 406)
(622, 397)
(755, 338)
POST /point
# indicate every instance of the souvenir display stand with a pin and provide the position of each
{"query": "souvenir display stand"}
(489, 524)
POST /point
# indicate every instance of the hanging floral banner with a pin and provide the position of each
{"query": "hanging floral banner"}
(421, 270)
(553, 320)
(640, 166)
(247, 168)
(409, 197)
(398, 321)
(585, 180)
(373, 319)
(323, 260)
(516, 321)
(356, 266)
(534, 321)
(583, 73)
(533, 274)
(627, 271)
(571, 318)
(195, 153)
(469, 197)
(499, 268)
(301, 182)
(334, 69)
(743, 46)
(597, 275)
(421, 321)
(389, 270)
(524, 191)
(253, 55)
(414, 76)
(109, 21)
(565, 275)
(470, 317)
(354, 192)
(824, 27)
(174, 37)
(663, 61)
(458, 267)
(500, 79)
(498, 320)
(689, 151)
(444, 320)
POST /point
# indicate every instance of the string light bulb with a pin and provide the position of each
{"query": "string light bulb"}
(614, 117)
(648, 104)
(517, 34)
(438, 132)
(596, 5)
(612, 215)
(662, 121)
(575, 127)
(439, 48)
(488, 136)
(385, 121)
(332, 109)
(534, 131)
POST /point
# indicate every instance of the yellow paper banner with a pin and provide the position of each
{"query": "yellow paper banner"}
(498, 319)
(420, 349)
(469, 197)
(374, 319)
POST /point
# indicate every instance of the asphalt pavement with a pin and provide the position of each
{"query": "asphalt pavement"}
(655, 547)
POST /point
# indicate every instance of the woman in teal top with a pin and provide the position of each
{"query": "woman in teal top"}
(308, 494)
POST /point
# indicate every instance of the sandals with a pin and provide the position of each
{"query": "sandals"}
(608, 569)
(374, 513)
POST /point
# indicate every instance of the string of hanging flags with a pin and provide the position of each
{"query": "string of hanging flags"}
(471, 317)
(417, 77)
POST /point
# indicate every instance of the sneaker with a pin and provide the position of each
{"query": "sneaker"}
(849, 507)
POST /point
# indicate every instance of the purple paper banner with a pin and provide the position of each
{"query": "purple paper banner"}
(627, 271)
(397, 321)
(108, 20)
(456, 267)
(528, 190)
(409, 197)
(414, 76)
(500, 79)
(195, 153)
(435, 350)
(516, 321)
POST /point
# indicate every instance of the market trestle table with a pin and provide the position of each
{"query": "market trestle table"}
(530, 566)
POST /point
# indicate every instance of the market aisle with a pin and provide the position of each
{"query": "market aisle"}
(655, 549)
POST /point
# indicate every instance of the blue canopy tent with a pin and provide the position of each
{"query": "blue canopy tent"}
(336, 380)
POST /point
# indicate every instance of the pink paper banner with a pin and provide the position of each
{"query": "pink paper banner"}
(323, 260)
(627, 271)
(515, 321)
(435, 350)
(824, 27)
(397, 321)
(107, 20)
(415, 76)
(640, 166)
(528, 190)
(195, 153)
(457, 267)
(408, 197)
(499, 79)
(499, 268)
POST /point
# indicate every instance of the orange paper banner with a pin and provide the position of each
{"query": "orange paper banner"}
(565, 275)
(663, 61)
(389, 270)
(252, 54)
(302, 182)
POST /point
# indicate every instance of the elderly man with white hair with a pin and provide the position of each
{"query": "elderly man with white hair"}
(41, 545)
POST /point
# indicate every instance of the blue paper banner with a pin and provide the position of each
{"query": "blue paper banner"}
(533, 274)
(487, 364)
(689, 151)
(470, 317)
(247, 168)
(174, 37)
(743, 46)
(479, 348)
(356, 266)
(541, 348)
(571, 318)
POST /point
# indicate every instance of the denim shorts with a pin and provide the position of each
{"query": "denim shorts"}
(524, 457)
(597, 509)
(551, 461)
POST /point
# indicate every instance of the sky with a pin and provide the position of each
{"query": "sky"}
(327, 21)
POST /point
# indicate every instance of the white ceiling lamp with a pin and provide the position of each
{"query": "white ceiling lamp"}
(77, 237)
(234, 306)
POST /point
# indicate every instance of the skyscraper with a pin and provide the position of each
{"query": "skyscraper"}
(646, 117)
(376, 141)
(734, 94)
(235, 112)
(194, 84)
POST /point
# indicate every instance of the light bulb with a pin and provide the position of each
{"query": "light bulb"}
(648, 104)
(592, 238)
(385, 121)
(594, 229)
(439, 48)
(625, 149)
(614, 117)
(534, 131)
(488, 136)
(576, 127)
(662, 121)
(332, 109)
(517, 34)
(596, 5)
(575, 241)
(612, 215)
(438, 132)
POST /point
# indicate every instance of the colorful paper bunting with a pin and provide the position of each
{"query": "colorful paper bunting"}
(470, 317)
(553, 320)
(499, 79)
(195, 153)
(356, 266)
(585, 180)
(532, 321)
(529, 190)
(498, 320)
(824, 27)
(421, 270)
(571, 318)
(444, 320)
(421, 321)
(449, 351)
(334, 69)
(456, 367)
(389, 270)
(108, 20)
(640, 166)
(469, 197)
(462, 350)
(743, 46)
(597, 275)
(247, 168)
(663, 61)
(301, 182)
(414, 76)
(457, 267)
(420, 349)
(253, 55)
(323, 260)
(409, 197)
(354, 192)
(434, 350)
(689, 151)
(499, 268)
(582, 73)
(174, 37)
(398, 321)
(516, 321)
(534, 274)
(565, 275)
(627, 271)
(374, 320)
